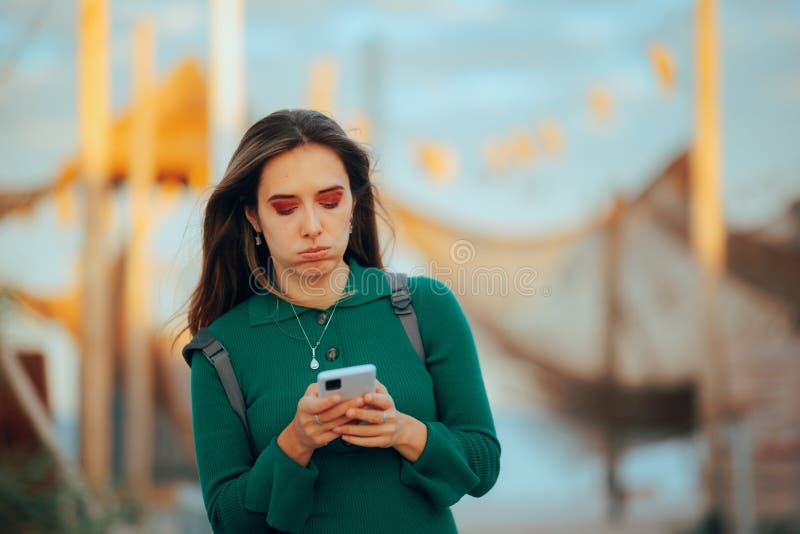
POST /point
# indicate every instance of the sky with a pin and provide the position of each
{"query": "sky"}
(459, 73)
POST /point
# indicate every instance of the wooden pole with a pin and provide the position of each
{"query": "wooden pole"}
(227, 94)
(613, 310)
(708, 229)
(138, 364)
(708, 243)
(95, 127)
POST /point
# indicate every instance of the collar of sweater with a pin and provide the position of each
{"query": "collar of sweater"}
(364, 283)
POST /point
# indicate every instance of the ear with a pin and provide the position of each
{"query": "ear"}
(252, 218)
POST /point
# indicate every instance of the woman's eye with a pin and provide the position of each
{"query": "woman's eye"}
(330, 200)
(288, 207)
(284, 208)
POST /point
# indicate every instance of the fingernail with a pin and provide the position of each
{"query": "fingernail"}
(337, 398)
(360, 402)
(368, 397)
(351, 412)
(337, 429)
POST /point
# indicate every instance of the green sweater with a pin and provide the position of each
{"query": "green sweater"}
(345, 488)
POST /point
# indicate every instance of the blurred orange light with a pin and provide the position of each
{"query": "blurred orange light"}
(663, 65)
(601, 103)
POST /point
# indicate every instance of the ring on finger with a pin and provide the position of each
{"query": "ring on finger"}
(316, 419)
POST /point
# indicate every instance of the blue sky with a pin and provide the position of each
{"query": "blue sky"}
(458, 73)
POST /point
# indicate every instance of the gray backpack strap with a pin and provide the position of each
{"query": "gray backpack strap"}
(215, 353)
(404, 309)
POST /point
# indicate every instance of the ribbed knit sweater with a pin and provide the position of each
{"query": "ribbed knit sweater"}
(344, 488)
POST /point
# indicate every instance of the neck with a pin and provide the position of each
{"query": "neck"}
(319, 291)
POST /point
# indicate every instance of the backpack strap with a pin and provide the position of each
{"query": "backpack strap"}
(404, 309)
(215, 353)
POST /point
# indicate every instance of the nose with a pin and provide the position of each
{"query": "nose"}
(311, 226)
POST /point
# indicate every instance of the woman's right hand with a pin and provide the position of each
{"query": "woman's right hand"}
(304, 434)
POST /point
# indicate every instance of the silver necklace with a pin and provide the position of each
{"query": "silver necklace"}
(314, 363)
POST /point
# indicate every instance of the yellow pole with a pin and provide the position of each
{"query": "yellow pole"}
(708, 243)
(323, 84)
(95, 126)
(708, 230)
(138, 368)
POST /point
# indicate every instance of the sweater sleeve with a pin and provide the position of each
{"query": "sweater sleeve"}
(243, 493)
(462, 453)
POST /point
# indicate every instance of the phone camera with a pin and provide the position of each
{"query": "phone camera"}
(331, 385)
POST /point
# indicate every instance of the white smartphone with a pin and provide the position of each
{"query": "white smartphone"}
(349, 382)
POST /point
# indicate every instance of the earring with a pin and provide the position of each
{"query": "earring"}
(258, 239)
(351, 226)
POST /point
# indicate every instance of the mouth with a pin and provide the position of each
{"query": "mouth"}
(315, 253)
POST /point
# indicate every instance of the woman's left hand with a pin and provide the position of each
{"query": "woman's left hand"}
(386, 426)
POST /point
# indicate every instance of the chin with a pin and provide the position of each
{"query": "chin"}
(316, 268)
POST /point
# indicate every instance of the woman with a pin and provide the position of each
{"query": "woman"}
(291, 285)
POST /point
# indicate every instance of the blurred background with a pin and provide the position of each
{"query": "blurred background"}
(611, 188)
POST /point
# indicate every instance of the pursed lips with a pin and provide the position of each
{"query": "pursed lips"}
(316, 253)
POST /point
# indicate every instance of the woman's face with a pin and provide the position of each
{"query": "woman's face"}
(304, 209)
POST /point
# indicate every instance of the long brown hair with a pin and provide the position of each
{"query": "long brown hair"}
(231, 261)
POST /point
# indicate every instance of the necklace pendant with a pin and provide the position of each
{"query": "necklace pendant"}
(314, 364)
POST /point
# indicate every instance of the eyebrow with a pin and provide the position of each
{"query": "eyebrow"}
(323, 191)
